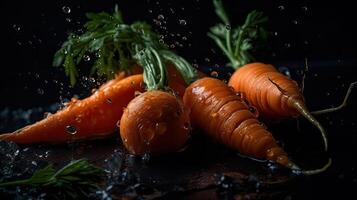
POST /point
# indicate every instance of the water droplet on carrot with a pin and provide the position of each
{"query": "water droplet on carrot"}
(214, 114)
(187, 126)
(118, 124)
(46, 114)
(72, 130)
(137, 93)
(160, 128)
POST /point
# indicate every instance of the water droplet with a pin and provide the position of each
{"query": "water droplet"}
(172, 10)
(86, 58)
(182, 22)
(195, 65)
(207, 59)
(328, 94)
(172, 46)
(275, 33)
(137, 93)
(287, 45)
(160, 128)
(16, 152)
(228, 27)
(295, 22)
(304, 8)
(187, 126)
(145, 158)
(47, 114)
(161, 41)
(160, 17)
(252, 109)
(157, 22)
(68, 19)
(281, 7)
(16, 27)
(71, 130)
(66, 9)
(40, 91)
(150, 11)
(34, 163)
(184, 38)
(214, 74)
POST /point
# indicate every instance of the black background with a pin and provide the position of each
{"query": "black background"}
(324, 33)
(34, 30)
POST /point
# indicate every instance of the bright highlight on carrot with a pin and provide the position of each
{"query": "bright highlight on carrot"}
(217, 110)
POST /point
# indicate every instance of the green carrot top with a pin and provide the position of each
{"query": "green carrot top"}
(119, 47)
(236, 43)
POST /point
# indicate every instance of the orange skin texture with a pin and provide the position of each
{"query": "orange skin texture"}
(252, 80)
(216, 109)
(155, 122)
(92, 117)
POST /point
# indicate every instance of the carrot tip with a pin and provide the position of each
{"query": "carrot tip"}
(314, 171)
(299, 105)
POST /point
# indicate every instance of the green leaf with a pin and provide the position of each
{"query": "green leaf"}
(117, 46)
(237, 42)
(220, 11)
(74, 180)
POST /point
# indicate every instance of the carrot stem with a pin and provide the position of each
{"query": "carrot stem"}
(299, 105)
(343, 104)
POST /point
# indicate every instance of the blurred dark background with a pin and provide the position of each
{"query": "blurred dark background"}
(322, 33)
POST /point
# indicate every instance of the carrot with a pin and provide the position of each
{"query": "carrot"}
(122, 50)
(95, 116)
(155, 122)
(272, 93)
(223, 115)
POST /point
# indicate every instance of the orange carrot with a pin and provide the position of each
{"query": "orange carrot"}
(217, 110)
(154, 122)
(95, 116)
(272, 93)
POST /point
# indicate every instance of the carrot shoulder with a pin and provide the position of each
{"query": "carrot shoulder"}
(95, 116)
